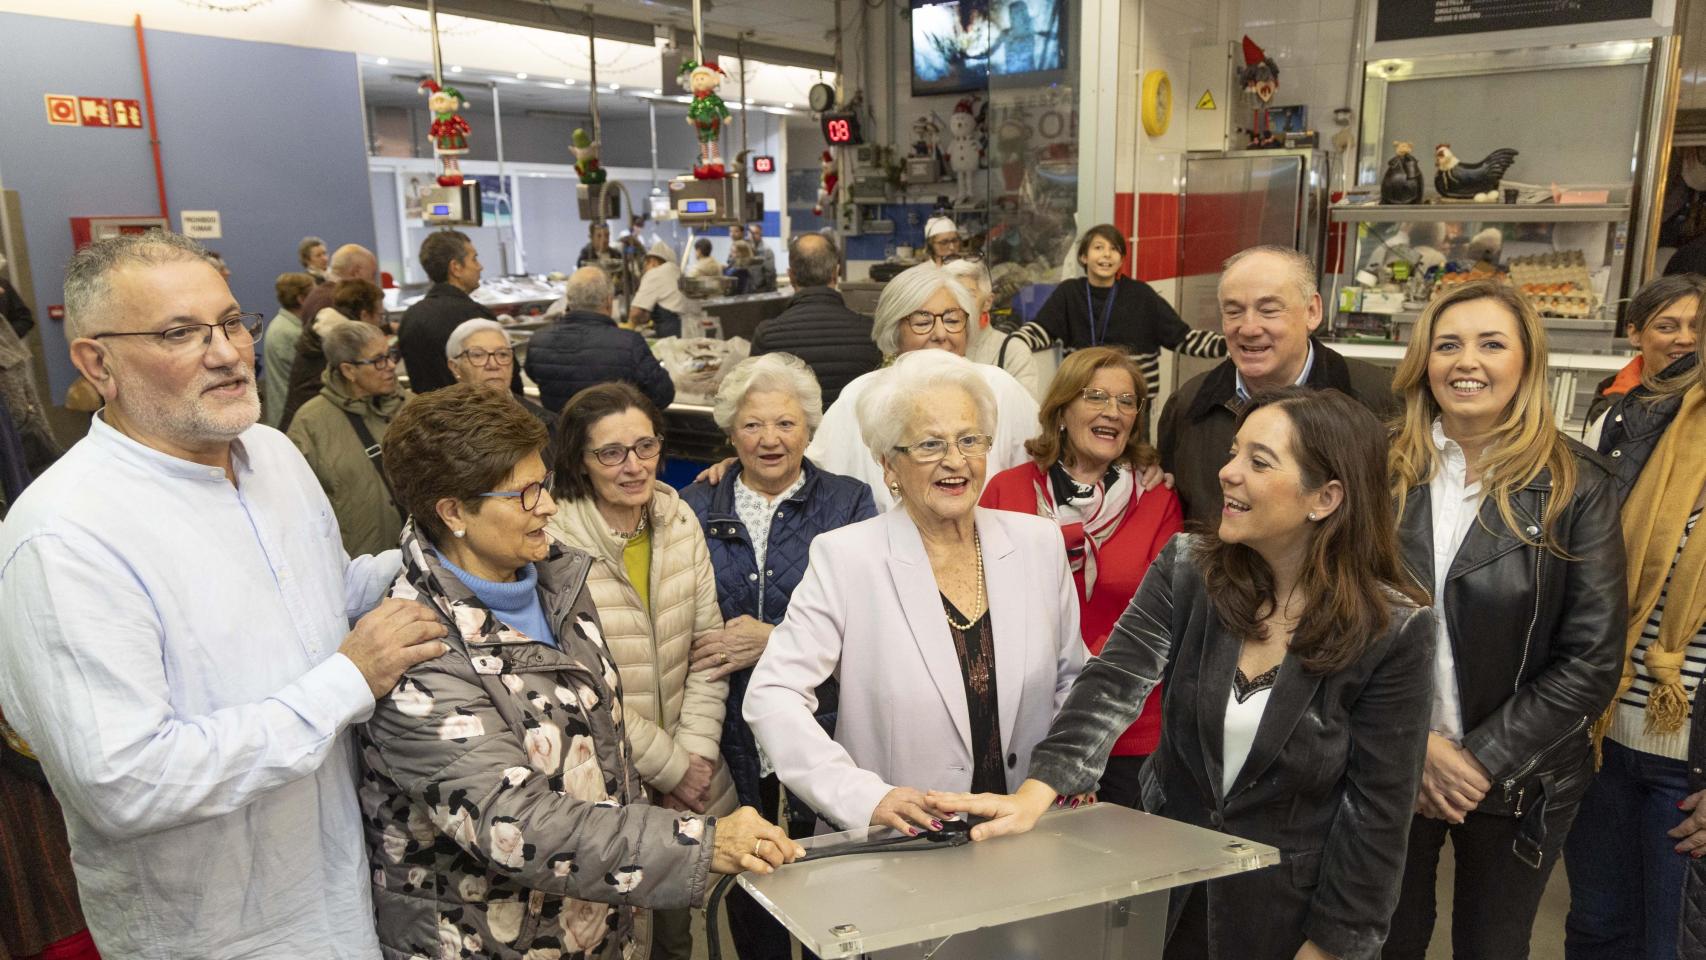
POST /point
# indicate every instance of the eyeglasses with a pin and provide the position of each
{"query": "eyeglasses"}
(972, 446)
(387, 359)
(240, 331)
(953, 320)
(528, 495)
(1102, 399)
(478, 357)
(645, 448)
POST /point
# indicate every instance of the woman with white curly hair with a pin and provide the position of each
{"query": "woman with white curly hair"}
(952, 629)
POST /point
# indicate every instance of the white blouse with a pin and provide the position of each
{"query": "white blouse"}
(1243, 717)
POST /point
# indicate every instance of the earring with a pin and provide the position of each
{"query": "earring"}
(894, 489)
(459, 534)
(1311, 516)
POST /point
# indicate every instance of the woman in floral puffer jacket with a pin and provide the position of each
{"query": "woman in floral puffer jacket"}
(503, 814)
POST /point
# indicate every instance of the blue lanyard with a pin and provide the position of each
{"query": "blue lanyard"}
(1098, 337)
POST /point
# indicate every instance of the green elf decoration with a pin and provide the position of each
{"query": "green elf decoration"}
(706, 113)
(585, 149)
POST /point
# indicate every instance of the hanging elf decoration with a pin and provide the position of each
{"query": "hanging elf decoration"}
(1260, 79)
(706, 113)
(449, 131)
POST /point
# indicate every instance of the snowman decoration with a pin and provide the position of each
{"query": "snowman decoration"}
(707, 113)
(964, 150)
(449, 131)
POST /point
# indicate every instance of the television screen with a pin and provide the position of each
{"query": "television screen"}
(957, 45)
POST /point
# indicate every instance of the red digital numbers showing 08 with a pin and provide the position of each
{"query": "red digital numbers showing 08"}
(839, 131)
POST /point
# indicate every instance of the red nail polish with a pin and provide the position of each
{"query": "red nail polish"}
(911, 832)
(1679, 804)
(1075, 803)
(1060, 801)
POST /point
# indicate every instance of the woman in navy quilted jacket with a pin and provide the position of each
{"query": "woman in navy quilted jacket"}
(759, 524)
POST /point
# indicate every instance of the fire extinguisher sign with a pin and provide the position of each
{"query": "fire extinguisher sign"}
(64, 110)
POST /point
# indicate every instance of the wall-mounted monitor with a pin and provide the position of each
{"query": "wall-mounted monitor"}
(958, 45)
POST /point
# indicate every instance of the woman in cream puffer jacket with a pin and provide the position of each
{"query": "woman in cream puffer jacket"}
(670, 712)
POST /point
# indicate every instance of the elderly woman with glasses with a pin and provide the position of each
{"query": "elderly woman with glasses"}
(924, 308)
(1085, 475)
(656, 591)
(340, 429)
(760, 522)
(951, 628)
(481, 351)
(503, 814)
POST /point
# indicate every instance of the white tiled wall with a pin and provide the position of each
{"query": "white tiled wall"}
(1311, 41)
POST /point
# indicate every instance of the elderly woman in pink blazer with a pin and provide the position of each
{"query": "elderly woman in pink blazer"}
(953, 630)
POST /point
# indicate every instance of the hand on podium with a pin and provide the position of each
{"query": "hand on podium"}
(1004, 813)
(746, 841)
(906, 810)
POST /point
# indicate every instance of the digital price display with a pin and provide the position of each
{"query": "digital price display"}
(763, 164)
(842, 130)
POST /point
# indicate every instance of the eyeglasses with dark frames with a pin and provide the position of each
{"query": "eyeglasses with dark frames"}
(478, 357)
(528, 495)
(241, 330)
(387, 359)
(972, 446)
(953, 320)
(645, 448)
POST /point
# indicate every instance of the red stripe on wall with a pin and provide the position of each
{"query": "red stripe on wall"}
(1124, 214)
(1157, 237)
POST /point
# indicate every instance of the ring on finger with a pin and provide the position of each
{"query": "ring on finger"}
(756, 844)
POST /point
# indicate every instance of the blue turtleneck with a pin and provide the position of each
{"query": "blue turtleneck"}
(515, 603)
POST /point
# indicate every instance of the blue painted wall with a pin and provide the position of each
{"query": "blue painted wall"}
(269, 135)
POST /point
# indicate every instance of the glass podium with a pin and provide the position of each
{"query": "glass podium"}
(1086, 883)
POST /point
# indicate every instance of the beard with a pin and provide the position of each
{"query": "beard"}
(190, 417)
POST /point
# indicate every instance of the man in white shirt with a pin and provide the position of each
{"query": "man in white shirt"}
(176, 608)
(659, 301)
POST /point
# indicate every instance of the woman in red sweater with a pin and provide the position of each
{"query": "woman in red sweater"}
(1086, 473)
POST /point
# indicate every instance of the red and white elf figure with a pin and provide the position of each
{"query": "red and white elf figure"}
(706, 113)
(826, 184)
(1260, 79)
(449, 131)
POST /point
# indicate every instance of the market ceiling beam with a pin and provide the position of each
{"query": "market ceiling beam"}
(527, 13)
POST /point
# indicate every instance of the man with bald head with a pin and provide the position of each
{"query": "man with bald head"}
(816, 326)
(585, 347)
(1269, 307)
(352, 261)
(176, 606)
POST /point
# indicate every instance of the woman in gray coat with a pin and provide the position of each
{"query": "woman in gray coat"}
(504, 818)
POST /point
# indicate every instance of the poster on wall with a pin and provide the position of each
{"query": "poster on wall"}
(1397, 20)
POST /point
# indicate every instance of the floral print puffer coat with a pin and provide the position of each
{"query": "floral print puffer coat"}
(502, 813)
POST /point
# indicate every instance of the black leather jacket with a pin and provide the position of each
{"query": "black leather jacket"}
(1330, 779)
(1537, 640)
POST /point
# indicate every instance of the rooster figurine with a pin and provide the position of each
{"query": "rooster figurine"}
(1403, 180)
(1470, 181)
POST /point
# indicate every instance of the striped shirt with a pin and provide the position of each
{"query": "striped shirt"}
(1628, 724)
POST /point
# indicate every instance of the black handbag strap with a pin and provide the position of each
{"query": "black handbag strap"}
(371, 449)
(1001, 358)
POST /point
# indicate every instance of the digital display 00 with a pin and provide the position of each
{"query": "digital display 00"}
(764, 164)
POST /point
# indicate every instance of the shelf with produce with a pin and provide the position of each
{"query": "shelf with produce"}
(1479, 213)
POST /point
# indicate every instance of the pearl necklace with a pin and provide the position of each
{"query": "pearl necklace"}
(977, 546)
